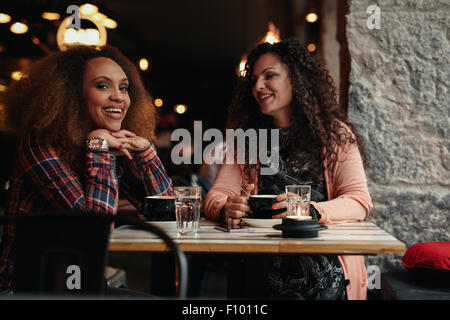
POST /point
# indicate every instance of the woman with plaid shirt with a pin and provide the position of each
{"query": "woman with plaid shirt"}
(86, 126)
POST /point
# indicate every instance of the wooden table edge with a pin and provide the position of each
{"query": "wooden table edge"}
(282, 248)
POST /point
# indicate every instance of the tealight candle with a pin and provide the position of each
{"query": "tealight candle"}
(299, 218)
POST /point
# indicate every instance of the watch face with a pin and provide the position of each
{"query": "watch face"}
(97, 144)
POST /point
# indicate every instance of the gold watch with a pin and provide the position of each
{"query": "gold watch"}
(97, 144)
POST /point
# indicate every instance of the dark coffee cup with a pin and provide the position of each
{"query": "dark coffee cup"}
(261, 206)
(159, 208)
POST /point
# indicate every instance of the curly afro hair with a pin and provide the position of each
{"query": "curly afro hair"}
(50, 101)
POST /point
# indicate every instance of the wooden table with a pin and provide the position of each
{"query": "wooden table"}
(361, 238)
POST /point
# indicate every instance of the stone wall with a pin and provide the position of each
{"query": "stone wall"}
(399, 100)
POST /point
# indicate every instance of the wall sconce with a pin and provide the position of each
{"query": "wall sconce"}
(66, 37)
(273, 34)
(241, 72)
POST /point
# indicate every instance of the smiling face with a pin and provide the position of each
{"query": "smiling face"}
(272, 88)
(105, 90)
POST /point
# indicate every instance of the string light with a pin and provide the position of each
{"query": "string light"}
(311, 47)
(17, 75)
(19, 28)
(158, 102)
(143, 64)
(35, 40)
(180, 108)
(312, 17)
(51, 16)
(5, 18)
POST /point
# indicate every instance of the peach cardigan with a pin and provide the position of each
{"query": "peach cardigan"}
(349, 201)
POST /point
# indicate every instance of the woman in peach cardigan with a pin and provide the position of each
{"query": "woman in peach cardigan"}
(286, 88)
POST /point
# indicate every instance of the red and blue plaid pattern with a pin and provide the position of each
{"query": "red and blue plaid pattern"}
(40, 181)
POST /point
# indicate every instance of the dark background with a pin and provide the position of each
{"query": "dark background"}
(194, 46)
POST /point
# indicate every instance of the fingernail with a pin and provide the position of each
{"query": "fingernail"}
(278, 198)
(274, 206)
(274, 217)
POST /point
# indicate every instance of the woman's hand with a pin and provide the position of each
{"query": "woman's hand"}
(236, 207)
(131, 142)
(280, 205)
(116, 142)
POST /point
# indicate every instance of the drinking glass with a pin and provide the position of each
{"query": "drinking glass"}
(298, 198)
(187, 209)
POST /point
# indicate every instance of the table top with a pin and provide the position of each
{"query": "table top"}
(362, 238)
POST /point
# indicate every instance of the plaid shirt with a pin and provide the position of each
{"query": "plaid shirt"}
(40, 181)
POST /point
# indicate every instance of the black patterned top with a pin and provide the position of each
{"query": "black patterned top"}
(301, 276)
(294, 168)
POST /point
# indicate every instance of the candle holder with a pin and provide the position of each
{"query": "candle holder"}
(300, 228)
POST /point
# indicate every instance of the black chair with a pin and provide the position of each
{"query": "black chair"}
(66, 252)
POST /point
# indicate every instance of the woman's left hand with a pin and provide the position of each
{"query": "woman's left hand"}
(280, 205)
(134, 142)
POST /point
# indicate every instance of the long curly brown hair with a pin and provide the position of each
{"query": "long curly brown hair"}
(318, 122)
(50, 102)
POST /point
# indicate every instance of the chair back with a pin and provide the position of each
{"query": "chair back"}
(67, 252)
(59, 253)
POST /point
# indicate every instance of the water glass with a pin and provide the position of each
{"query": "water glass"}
(298, 198)
(187, 209)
